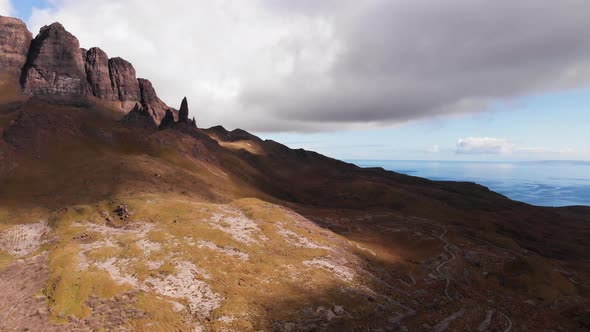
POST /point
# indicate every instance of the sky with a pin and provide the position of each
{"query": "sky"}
(372, 79)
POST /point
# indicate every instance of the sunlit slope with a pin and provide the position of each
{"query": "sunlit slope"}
(107, 225)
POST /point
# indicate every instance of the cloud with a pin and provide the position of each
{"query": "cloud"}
(483, 145)
(276, 65)
(499, 146)
(5, 7)
(549, 151)
(434, 149)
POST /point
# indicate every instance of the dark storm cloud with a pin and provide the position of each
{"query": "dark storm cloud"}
(404, 60)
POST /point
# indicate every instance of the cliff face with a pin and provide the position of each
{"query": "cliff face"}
(114, 225)
(53, 64)
(150, 100)
(183, 111)
(15, 40)
(123, 79)
(98, 74)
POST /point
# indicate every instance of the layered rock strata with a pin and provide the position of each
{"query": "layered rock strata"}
(53, 64)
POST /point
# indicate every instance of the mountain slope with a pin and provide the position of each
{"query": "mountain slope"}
(107, 222)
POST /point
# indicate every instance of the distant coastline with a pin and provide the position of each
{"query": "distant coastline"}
(553, 183)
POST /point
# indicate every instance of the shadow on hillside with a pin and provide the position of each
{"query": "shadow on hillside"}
(335, 308)
(55, 156)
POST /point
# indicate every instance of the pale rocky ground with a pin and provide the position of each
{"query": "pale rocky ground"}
(178, 265)
(22, 240)
(148, 258)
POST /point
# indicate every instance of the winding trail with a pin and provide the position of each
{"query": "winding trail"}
(386, 284)
(490, 244)
(578, 283)
(400, 316)
(508, 320)
(440, 266)
(485, 325)
(408, 284)
(570, 276)
(444, 324)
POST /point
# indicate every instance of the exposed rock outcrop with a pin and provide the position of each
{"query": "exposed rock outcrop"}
(140, 117)
(183, 121)
(149, 99)
(55, 65)
(83, 51)
(183, 111)
(124, 81)
(98, 73)
(14, 46)
(167, 121)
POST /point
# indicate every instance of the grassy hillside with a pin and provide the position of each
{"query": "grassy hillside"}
(122, 228)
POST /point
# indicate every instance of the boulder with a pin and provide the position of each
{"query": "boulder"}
(15, 40)
(55, 65)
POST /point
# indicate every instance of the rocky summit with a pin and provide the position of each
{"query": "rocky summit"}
(99, 74)
(53, 65)
(149, 100)
(117, 213)
(15, 41)
(183, 111)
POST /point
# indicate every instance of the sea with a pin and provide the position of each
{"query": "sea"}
(542, 183)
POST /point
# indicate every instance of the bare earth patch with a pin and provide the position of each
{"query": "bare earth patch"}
(22, 305)
(148, 247)
(83, 262)
(230, 251)
(339, 270)
(23, 240)
(297, 240)
(238, 226)
(114, 267)
(185, 285)
(185, 288)
(111, 234)
(139, 229)
(110, 314)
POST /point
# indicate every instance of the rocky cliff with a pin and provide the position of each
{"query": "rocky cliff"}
(169, 120)
(99, 74)
(116, 226)
(123, 80)
(53, 64)
(15, 40)
(150, 101)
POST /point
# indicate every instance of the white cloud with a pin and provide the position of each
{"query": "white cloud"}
(434, 149)
(208, 50)
(483, 145)
(274, 65)
(548, 151)
(498, 146)
(5, 7)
